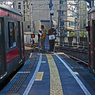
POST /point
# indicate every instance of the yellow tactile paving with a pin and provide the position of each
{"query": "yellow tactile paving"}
(55, 83)
(43, 61)
(39, 76)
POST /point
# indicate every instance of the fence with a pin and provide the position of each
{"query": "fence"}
(82, 45)
(72, 42)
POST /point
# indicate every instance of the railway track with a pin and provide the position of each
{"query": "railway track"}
(72, 49)
(79, 55)
(79, 60)
(71, 56)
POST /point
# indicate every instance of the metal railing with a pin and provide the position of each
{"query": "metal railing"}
(82, 44)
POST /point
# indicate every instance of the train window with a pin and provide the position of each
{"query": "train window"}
(11, 33)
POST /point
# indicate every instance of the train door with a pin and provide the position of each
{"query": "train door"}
(93, 46)
(89, 43)
(19, 41)
(23, 40)
(2, 50)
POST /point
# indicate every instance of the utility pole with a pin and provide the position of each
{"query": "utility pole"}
(92, 3)
(50, 6)
(59, 19)
(78, 37)
(31, 17)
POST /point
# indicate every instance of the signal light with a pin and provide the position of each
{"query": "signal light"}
(32, 35)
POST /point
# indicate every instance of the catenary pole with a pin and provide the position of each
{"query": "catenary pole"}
(92, 3)
(50, 6)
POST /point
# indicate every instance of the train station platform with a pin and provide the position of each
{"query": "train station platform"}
(48, 74)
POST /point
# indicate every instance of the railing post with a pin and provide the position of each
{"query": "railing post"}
(72, 44)
(83, 45)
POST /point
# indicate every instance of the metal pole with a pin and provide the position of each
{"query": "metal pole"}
(58, 22)
(14, 4)
(31, 18)
(50, 5)
(92, 3)
(78, 38)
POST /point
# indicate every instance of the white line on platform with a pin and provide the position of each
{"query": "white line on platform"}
(33, 77)
(76, 78)
(30, 55)
(24, 72)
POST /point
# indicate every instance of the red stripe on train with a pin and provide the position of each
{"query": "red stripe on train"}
(12, 55)
(3, 13)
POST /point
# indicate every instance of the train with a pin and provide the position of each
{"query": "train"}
(91, 39)
(12, 52)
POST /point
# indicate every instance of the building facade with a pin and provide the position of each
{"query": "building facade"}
(41, 11)
(66, 13)
(83, 14)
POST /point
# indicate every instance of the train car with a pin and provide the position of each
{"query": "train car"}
(11, 41)
(91, 24)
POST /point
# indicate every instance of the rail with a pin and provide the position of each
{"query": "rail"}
(78, 60)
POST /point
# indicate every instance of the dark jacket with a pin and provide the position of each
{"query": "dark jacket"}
(50, 32)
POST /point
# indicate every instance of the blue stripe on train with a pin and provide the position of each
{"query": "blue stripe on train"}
(88, 74)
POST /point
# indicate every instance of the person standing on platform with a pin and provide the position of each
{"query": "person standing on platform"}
(39, 42)
(52, 34)
(42, 37)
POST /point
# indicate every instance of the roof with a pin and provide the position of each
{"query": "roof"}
(10, 9)
(92, 10)
(87, 27)
(45, 20)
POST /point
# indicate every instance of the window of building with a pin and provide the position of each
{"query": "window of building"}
(61, 2)
(76, 8)
(28, 26)
(74, 15)
(19, 6)
(23, 2)
(62, 13)
(24, 18)
(24, 11)
(19, 3)
(76, 0)
(88, 6)
(28, 6)
(11, 34)
(71, 23)
(24, 6)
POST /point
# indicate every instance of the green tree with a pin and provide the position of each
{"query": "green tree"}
(72, 34)
(83, 34)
